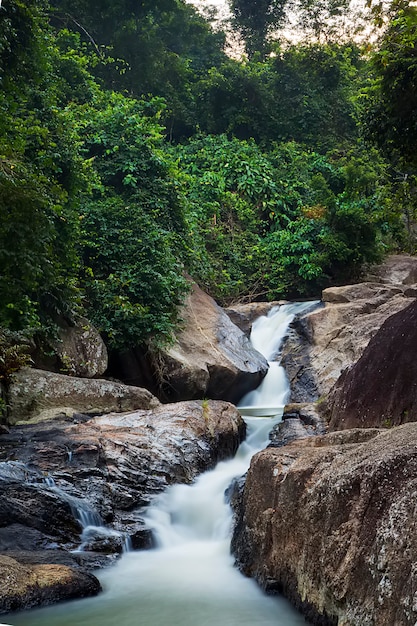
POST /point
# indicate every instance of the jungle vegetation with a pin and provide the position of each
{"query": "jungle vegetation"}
(135, 151)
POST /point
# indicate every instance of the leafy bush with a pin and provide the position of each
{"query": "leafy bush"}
(132, 280)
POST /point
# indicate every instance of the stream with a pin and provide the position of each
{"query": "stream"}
(189, 578)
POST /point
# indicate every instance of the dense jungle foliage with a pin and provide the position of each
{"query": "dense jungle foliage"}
(135, 151)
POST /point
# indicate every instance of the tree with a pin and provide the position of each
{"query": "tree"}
(389, 108)
(40, 172)
(391, 102)
(159, 47)
(255, 19)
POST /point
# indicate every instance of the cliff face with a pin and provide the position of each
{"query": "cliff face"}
(330, 521)
(381, 388)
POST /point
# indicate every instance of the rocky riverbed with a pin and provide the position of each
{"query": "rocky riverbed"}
(59, 475)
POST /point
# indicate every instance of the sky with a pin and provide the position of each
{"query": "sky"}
(291, 33)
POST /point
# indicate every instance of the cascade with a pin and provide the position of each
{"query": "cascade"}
(189, 578)
(267, 336)
(92, 525)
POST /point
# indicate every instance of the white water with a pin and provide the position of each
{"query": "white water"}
(267, 335)
(189, 579)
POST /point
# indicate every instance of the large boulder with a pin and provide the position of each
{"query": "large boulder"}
(27, 586)
(78, 350)
(35, 395)
(380, 389)
(396, 269)
(211, 357)
(330, 521)
(323, 343)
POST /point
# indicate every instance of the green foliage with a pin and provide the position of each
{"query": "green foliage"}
(13, 356)
(255, 20)
(160, 47)
(283, 222)
(303, 94)
(391, 101)
(274, 196)
(132, 274)
(123, 138)
(132, 279)
(40, 176)
(388, 112)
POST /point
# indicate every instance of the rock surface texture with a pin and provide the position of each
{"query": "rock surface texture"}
(326, 341)
(78, 350)
(106, 466)
(59, 476)
(37, 395)
(211, 357)
(27, 586)
(380, 389)
(330, 521)
(243, 315)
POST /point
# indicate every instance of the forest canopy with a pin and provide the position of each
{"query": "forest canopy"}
(135, 151)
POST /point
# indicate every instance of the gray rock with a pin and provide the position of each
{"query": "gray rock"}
(35, 395)
(211, 356)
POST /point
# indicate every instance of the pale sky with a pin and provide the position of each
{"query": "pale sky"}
(291, 33)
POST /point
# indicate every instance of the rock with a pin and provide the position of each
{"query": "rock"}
(287, 431)
(396, 269)
(330, 521)
(374, 293)
(55, 474)
(78, 350)
(298, 421)
(35, 395)
(243, 315)
(295, 358)
(39, 508)
(326, 341)
(380, 389)
(26, 586)
(211, 357)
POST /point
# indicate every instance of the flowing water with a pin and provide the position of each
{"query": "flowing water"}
(189, 578)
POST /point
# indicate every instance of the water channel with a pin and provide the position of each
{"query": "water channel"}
(189, 579)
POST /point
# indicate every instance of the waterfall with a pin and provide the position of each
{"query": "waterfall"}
(267, 336)
(189, 578)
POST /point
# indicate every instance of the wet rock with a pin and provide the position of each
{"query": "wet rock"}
(57, 472)
(296, 360)
(298, 421)
(36, 395)
(211, 357)
(330, 521)
(97, 539)
(27, 586)
(86, 561)
(288, 431)
(380, 389)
